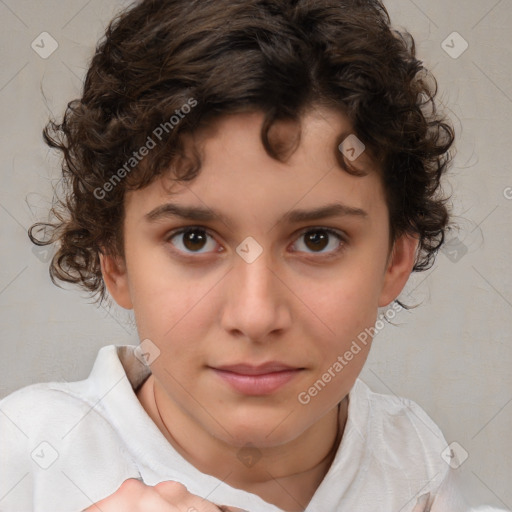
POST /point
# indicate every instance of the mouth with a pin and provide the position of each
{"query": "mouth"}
(257, 380)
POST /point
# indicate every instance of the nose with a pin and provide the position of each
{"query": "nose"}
(257, 300)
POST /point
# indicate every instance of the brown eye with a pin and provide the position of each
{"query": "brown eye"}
(316, 240)
(192, 240)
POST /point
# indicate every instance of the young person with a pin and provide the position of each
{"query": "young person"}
(254, 179)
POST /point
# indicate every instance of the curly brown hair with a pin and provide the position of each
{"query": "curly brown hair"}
(178, 65)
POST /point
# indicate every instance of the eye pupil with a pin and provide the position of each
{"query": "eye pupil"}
(318, 240)
(193, 240)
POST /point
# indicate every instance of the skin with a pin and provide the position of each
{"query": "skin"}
(134, 496)
(203, 305)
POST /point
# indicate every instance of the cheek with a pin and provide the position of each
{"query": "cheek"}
(348, 300)
(170, 303)
(349, 307)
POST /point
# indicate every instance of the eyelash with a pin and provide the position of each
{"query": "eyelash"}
(339, 235)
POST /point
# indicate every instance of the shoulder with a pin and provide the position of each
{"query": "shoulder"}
(401, 439)
(399, 419)
(60, 407)
(33, 409)
(58, 445)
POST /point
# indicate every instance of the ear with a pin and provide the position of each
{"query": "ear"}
(116, 279)
(399, 268)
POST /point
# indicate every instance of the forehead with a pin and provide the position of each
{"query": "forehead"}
(238, 178)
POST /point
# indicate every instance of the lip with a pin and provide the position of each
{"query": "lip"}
(257, 380)
(261, 369)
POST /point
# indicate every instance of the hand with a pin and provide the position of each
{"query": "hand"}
(135, 496)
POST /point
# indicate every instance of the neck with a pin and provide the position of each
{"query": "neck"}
(286, 475)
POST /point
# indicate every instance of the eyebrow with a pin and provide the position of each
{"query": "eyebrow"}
(200, 214)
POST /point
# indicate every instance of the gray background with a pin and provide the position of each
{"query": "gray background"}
(452, 355)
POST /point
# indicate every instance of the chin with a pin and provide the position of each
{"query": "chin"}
(267, 432)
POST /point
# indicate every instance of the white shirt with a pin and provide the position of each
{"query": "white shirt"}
(65, 446)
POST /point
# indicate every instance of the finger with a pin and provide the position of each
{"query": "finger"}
(172, 491)
(177, 494)
(225, 508)
(130, 490)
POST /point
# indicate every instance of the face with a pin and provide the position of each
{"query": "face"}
(261, 281)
